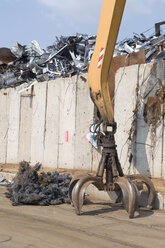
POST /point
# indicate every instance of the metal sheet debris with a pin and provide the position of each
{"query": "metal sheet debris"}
(69, 55)
(152, 43)
(3, 181)
(66, 57)
(34, 188)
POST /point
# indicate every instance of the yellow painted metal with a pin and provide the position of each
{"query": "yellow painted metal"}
(111, 14)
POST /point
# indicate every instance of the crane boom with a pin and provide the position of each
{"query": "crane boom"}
(111, 15)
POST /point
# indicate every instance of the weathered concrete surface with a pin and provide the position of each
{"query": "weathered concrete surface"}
(101, 225)
(84, 115)
(140, 143)
(49, 122)
(52, 116)
(13, 127)
(123, 61)
(4, 124)
(38, 123)
(25, 127)
(34, 124)
(67, 122)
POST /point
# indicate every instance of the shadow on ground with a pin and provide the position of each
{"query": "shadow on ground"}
(109, 208)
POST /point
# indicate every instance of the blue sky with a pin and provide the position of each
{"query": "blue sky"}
(26, 20)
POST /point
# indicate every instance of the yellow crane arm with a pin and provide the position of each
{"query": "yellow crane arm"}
(109, 165)
(111, 15)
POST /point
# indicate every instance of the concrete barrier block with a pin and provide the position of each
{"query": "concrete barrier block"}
(52, 125)
(4, 123)
(38, 123)
(84, 118)
(14, 122)
(67, 122)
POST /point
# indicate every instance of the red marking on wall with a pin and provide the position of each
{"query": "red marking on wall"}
(66, 136)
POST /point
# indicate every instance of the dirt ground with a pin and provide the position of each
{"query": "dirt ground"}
(101, 225)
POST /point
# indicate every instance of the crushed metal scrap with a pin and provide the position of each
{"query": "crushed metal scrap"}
(3, 181)
(68, 56)
(34, 188)
(152, 44)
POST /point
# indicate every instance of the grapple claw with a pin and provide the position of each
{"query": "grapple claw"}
(110, 169)
(145, 180)
(80, 188)
(130, 195)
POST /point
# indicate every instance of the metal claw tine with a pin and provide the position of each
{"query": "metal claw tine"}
(73, 183)
(137, 196)
(130, 195)
(71, 186)
(150, 187)
(79, 191)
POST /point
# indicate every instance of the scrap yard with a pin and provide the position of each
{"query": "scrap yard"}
(82, 133)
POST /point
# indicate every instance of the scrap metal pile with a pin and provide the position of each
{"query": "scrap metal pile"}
(140, 42)
(34, 188)
(68, 56)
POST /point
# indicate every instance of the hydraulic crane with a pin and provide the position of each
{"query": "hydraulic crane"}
(110, 19)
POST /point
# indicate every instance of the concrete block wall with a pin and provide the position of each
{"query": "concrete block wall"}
(141, 145)
(34, 124)
(48, 123)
